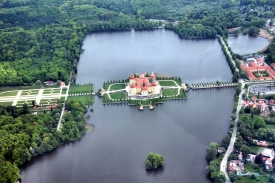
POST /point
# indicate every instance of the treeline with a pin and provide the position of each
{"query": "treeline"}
(270, 57)
(257, 2)
(174, 9)
(215, 152)
(24, 136)
(229, 59)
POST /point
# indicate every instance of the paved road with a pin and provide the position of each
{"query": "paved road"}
(63, 108)
(233, 138)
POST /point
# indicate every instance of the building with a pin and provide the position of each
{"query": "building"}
(236, 165)
(143, 86)
(268, 156)
(250, 158)
(253, 67)
(250, 60)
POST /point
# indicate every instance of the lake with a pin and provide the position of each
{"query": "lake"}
(245, 44)
(180, 130)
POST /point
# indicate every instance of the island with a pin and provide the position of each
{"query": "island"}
(143, 90)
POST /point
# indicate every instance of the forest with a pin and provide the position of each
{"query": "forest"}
(24, 136)
(42, 39)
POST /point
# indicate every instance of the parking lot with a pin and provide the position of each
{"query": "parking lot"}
(263, 89)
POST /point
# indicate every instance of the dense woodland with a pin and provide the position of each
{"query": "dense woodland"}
(24, 136)
(41, 39)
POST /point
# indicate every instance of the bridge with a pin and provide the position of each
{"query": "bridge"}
(213, 85)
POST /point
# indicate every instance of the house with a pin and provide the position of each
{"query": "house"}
(49, 82)
(240, 156)
(221, 150)
(254, 98)
(250, 158)
(261, 143)
(268, 156)
(236, 165)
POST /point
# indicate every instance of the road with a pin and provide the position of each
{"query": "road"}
(226, 49)
(230, 148)
(63, 108)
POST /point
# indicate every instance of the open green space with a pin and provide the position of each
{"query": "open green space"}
(6, 103)
(29, 92)
(114, 85)
(64, 92)
(170, 92)
(167, 83)
(270, 126)
(117, 86)
(260, 74)
(81, 88)
(254, 149)
(248, 179)
(250, 168)
(118, 95)
(84, 99)
(51, 91)
(8, 93)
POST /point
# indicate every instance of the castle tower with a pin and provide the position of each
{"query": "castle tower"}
(131, 79)
(153, 77)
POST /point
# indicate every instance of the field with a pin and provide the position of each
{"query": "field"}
(114, 86)
(118, 95)
(8, 93)
(84, 99)
(81, 88)
(29, 92)
(167, 83)
(170, 92)
(254, 149)
(248, 179)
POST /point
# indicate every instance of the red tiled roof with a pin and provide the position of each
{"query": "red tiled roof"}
(253, 67)
(260, 61)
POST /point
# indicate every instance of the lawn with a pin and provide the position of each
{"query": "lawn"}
(29, 92)
(167, 83)
(117, 86)
(6, 103)
(64, 92)
(170, 92)
(118, 95)
(254, 149)
(84, 99)
(51, 91)
(249, 168)
(8, 93)
(270, 126)
(247, 179)
(260, 74)
(80, 88)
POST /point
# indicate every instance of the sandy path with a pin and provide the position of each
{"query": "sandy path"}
(263, 33)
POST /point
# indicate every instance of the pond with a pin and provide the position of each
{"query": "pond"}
(179, 130)
(245, 44)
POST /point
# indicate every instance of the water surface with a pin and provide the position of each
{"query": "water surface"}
(123, 136)
(245, 44)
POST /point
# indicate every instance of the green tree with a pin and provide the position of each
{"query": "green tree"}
(220, 178)
(259, 123)
(153, 161)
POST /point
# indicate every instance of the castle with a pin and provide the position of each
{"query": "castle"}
(143, 86)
